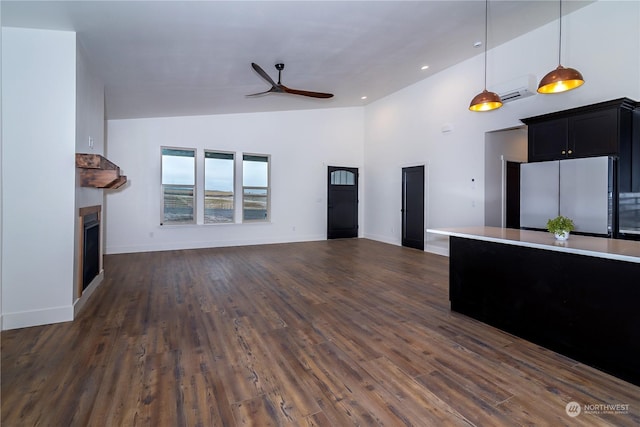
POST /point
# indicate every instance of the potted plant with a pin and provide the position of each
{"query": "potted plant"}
(561, 226)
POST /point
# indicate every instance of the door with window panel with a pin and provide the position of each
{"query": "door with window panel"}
(342, 206)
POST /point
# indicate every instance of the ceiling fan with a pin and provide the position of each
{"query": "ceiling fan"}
(280, 88)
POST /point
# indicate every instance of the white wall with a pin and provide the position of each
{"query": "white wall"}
(601, 40)
(500, 147)
(90, 122)
(90, 130)
(301, 144)
(1, 175)
(38, 167)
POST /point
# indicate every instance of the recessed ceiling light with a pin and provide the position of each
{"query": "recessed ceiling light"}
(424, 67)
(363, 97)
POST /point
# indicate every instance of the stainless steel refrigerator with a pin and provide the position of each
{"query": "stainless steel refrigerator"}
(581, 189)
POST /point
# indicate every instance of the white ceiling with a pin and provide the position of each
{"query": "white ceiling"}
(175, 58)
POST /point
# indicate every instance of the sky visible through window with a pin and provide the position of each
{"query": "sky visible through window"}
(218, 174)
(179, 170)
(255, 174)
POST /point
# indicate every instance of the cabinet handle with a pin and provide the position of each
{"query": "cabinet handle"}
(564, 152)
(570, 151)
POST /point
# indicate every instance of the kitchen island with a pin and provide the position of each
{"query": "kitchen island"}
(580, 297)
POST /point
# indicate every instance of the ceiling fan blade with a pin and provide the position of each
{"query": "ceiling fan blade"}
(272, 90)
(306, 92)
(263, 74)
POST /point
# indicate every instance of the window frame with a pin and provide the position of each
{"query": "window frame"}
(233, 186)
(194, 189)
(252, 187)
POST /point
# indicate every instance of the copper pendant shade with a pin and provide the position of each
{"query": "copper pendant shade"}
(485, 100)
(561, 79)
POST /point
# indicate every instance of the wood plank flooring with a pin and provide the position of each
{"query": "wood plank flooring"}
(330, 333)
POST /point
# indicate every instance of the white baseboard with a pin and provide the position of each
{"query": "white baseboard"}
(25, 319)
(175, 246)
(383, 239)
(86, 294)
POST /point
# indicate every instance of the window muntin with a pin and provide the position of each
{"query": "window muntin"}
(342, 177)
(255, 187)
(178, 169)
(219, 184)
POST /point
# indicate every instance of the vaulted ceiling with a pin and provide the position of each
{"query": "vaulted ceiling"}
(174, 58)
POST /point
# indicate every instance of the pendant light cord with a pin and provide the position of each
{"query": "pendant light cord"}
(560, 42)
(486, 25)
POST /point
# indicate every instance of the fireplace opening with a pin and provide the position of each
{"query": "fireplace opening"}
(91, 248)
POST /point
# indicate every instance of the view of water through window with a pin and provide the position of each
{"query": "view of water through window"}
(179, 187)
(255, 188)
(218, 187)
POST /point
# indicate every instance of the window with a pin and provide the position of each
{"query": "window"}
(178, 186)
(342, 177)
(219, 184)
(255, 187)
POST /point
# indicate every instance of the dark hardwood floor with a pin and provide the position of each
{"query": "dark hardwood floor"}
(330, 333)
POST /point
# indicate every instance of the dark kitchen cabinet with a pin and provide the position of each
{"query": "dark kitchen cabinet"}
(548, 140)
(594, 133)
(602, 129)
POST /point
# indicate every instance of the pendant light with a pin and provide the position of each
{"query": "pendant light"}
(485, 100)
(561, 79)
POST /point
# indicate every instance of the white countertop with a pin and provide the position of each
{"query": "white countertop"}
(622, 250)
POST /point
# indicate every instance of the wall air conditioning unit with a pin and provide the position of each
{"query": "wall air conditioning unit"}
(519, 88)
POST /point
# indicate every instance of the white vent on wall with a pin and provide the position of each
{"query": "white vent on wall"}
(519, 88)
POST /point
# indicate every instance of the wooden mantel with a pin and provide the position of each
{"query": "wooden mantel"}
(96, 171)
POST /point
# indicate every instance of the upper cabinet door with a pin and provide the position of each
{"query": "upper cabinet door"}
(594, 134)
(548, 140)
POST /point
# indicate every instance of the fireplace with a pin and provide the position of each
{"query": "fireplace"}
(90, 252)
(91, 249)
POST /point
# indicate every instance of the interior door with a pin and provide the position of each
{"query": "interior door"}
(342, 203)
(413, 207)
